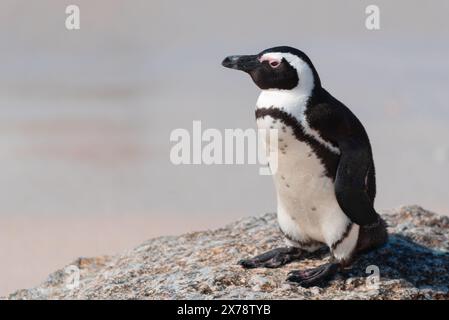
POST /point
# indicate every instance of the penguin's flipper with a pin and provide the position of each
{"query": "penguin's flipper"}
(272, 259)
(350, 181)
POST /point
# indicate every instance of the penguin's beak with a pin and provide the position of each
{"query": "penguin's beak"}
(245, 63)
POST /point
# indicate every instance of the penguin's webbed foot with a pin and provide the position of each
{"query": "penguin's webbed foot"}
(318, 276)
(272, 259)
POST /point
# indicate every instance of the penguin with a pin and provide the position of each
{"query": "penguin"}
(325, 175)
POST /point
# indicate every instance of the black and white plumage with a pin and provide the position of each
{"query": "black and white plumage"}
(325, 178)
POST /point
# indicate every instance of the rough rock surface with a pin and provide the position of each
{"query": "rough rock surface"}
(202, 265)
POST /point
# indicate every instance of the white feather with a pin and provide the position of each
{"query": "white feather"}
(307, 206)
(294, 101)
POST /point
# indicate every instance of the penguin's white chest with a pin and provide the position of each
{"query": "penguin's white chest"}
(307, 206)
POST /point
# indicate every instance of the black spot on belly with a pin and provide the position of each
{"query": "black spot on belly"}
(313, 209)
(328, 158)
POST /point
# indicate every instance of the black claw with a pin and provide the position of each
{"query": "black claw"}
(272, 259)
(314, 277)
(247, 264)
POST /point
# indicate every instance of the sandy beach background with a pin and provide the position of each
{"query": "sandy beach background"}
(85, 116)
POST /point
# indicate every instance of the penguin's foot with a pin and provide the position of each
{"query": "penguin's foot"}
(318, 276)
(272, 259)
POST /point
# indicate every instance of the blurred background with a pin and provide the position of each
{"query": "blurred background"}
(86, 115)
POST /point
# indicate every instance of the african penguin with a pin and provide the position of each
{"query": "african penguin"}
(325, 179)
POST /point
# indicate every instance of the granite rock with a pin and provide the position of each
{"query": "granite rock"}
(414, 264)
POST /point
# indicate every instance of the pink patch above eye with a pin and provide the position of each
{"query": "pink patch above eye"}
(274, 63)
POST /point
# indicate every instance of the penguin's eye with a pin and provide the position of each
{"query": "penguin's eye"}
(274, 63)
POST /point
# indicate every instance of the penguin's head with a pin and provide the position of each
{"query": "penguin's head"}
(283, 68)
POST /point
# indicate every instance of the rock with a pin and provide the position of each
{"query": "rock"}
(202, 265)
